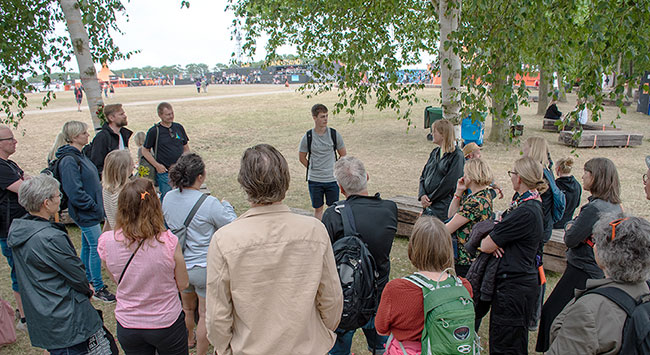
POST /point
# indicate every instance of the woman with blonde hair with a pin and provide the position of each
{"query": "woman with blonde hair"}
(441, 172)
(401, 309)
(80, 182)
(146, 262)
(566, 182)
(466, 210)
(118, 167)
(515, 240)
(601, 179)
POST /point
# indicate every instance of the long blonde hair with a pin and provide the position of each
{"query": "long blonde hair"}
(446, 129)
(118, 166)
(538, 150)
(69, 130)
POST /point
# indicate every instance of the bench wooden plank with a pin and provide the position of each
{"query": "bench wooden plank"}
(592, 139)
(408, 209)
(549, 125)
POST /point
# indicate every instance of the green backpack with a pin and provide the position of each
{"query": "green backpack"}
(448, 316)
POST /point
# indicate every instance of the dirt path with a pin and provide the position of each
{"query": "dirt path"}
(153, 102)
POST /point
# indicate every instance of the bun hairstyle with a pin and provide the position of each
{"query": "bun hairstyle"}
(565, 165)
(187, 169)
(531, 174)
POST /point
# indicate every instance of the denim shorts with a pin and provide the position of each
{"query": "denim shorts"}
(317, 189)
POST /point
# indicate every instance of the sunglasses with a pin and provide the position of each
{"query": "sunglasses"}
(510, 173)
(645, 178)
(614, 224)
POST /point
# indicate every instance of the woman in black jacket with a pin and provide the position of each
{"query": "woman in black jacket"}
(601, 179)
(441, 172)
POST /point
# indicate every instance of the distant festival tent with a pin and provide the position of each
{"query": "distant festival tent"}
(105, 73)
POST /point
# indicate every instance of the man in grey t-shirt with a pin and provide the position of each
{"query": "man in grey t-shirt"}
(321, 159)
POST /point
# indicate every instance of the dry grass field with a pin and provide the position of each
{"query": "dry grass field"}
(224, 122)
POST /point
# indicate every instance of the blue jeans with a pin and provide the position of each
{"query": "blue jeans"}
(6, 251)
(89, 255)
(344, 340)
(163, 184)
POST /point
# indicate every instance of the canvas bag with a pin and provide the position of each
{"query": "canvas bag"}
(7, 330)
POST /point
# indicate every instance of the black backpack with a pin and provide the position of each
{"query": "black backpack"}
(53, 170)
(636, 331)
(357, 272)
(309, 139)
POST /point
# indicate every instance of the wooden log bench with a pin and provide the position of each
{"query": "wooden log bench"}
(593, 139)
(409, 208)
(549, 125)
(555, 252)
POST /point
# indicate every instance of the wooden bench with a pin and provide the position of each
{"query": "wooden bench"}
(549, 125)
(593, 139)
(409, 208)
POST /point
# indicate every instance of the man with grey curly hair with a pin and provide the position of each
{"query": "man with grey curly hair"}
(593, 323)
(376, 223)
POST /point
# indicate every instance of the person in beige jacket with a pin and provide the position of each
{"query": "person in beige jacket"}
(272, 283)
(591, 323)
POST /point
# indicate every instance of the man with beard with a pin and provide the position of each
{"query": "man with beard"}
(113, 135)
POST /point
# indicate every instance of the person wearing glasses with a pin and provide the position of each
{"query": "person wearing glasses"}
(592, 323)
(11, 177)
(601, 179)
(165, 142)
(515, 241)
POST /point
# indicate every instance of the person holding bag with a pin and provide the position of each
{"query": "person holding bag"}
(145, 261)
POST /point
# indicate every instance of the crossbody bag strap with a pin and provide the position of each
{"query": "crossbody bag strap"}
(194, 209)
(129, 262)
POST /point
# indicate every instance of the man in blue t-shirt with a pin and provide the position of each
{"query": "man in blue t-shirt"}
(165, 142)
(321, 159)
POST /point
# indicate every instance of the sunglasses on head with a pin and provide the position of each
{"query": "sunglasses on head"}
(614, 224)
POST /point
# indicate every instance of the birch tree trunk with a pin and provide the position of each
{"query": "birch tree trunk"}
(450, 68)
(80, 44)
(542, 93)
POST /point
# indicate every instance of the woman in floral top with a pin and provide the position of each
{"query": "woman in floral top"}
(472, 203)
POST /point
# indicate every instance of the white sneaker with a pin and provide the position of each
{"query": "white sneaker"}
(21, 326)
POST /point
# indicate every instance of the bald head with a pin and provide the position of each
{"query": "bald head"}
(7, 142)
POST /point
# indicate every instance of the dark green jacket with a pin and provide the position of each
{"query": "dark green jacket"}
(53, 284)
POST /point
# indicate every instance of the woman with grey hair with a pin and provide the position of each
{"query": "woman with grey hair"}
(54, 287)
(80, 182)
(592, 323)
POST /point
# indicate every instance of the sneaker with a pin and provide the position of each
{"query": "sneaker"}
(104, 295)
(22, 326)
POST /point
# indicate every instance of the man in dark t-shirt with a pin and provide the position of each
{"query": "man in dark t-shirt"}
(376, 222)
(11, 177)
(165, 142)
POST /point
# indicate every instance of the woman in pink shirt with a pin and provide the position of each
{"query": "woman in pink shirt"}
(146, 262)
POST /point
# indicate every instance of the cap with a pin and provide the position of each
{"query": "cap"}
(472, 147)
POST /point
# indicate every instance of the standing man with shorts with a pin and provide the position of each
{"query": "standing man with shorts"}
(168, 141)
(317, 153)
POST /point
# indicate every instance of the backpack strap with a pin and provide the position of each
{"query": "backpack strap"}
(333, 136)
(618, 296)
(349, 227)
(190, 216)
(390, 338)
(309, 139)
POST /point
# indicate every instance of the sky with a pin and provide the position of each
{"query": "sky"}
(165, 34)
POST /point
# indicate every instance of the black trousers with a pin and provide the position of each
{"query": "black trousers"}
(562, 294)
(166, 341)
(512, 308)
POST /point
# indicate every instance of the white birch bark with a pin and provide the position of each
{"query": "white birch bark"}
(450, 68)
(80, 44)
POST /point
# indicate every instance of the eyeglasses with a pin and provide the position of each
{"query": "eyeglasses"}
(645, 178)
(7, 139)
(510, 173)
(614, 224)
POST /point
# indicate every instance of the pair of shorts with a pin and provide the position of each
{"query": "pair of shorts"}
(198, 279)
(319, 189)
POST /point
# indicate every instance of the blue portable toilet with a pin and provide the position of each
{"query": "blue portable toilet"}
(472, 132)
